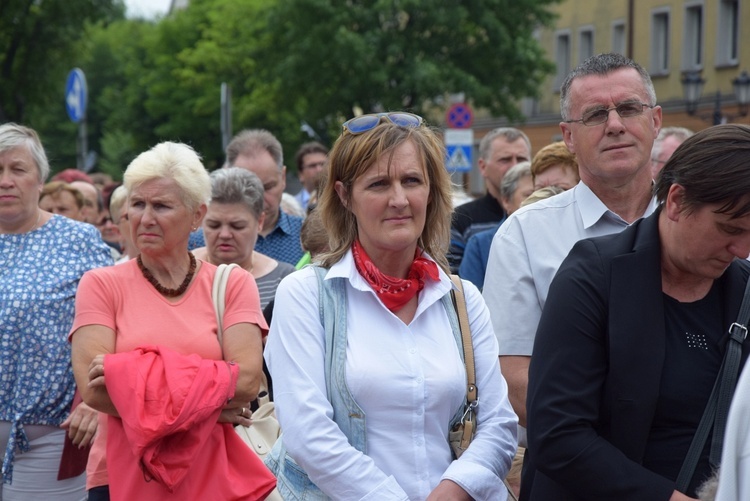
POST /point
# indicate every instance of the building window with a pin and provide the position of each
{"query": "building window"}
(618, 37)
(585, 43)
(728, 33)
(692, 43)
(562, 58)
(660, 43)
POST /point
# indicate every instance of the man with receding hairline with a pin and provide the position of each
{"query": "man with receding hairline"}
(499, 150)
(258, 151)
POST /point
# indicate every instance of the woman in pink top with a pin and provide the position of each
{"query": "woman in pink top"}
(146, 352)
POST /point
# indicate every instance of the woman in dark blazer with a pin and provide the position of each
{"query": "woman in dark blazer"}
(634, 332)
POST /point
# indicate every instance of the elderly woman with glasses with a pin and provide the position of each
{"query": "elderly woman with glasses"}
(365, 357)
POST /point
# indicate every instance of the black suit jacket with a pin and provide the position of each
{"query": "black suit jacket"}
(596, 368)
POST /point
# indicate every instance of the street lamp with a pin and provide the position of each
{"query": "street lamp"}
(692, 88)
(741, 86)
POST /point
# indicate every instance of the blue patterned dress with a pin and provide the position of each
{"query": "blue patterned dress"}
(39, 274)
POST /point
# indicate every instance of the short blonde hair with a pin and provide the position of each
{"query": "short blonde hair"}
(54, 188)
(116, 201)
(350, 158)
(175, 161)
(541, 194)
(551, 155)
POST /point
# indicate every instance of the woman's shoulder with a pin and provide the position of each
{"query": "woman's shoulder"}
(61, 225)
(123, 270)
(283, 269)
(110, 278)
(304, 280)
(66, 235)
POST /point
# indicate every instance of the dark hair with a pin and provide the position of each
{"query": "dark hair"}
(713, 166)
(306, 149)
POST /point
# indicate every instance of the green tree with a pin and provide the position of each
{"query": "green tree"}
(334, 55)
(36, 39)
(210, 43)
(113, 57)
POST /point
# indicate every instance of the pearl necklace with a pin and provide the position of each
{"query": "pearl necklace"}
(159, 287)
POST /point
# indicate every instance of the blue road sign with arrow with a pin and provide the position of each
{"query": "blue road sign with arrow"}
(76, 95)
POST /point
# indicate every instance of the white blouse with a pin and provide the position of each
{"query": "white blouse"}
(409, 381)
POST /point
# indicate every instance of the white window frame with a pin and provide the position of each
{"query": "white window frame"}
(659, 47)
(693, 36)
(728, 33)
(619, 37)
(583, 33)
(563, 62)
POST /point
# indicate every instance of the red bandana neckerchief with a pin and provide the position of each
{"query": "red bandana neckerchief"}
(394, 292)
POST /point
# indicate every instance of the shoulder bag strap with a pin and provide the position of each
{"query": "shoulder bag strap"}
(459, 301)
(717, 408)
(218, 295)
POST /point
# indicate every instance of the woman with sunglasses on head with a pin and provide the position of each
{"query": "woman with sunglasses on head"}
(369, 417)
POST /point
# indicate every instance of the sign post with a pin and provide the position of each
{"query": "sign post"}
(226, 115)
(76, 100)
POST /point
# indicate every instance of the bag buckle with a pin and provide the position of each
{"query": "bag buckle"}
(738, 332)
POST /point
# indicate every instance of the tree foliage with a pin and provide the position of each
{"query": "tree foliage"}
(286, 62)
(402, 54)
(36, 40)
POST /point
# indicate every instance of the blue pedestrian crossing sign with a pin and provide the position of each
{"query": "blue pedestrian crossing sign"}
(459, 158)
(76, 95)
(459, 144)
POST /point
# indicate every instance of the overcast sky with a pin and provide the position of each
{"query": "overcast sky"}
(146, 8)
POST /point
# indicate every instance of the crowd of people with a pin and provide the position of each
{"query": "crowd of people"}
(602, 283)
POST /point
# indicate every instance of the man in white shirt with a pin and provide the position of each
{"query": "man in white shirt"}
(610, 121)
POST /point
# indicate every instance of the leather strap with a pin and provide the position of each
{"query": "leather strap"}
(459, 302)
(218, 295)
(717, 407)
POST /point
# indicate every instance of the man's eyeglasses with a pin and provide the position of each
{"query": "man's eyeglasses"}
(599, 116)
(363, 123)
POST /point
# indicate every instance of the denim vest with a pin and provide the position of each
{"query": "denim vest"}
(292, 481)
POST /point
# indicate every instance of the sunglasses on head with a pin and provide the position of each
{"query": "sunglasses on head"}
(363, 123)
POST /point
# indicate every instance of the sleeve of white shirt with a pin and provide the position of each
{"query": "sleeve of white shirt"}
(510, 291)
(481, 468)
(295, 354)
(734, 475)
